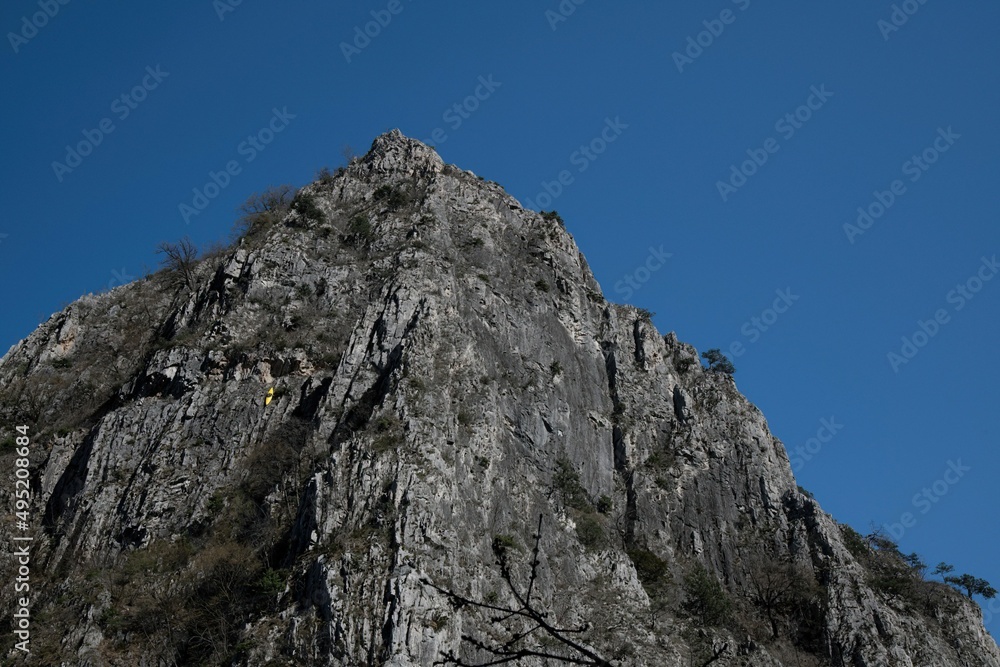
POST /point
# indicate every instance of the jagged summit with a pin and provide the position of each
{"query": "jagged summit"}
(447, 377)
(393, 151)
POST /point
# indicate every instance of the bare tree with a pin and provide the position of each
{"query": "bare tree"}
(520, 624)
(179, 258)
(348, 153)
(778, 586)
(262, 209)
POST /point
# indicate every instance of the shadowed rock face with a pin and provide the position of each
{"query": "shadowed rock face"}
(447, 372)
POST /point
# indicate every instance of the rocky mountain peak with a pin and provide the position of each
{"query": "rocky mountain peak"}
(393, 151)
(399, 424)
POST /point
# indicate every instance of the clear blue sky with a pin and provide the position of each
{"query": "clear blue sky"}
(879, 97)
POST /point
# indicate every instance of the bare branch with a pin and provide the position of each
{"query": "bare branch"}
(179, 258)
(535, 621)
(262, 209)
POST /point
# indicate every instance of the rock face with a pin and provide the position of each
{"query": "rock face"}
(448, 377)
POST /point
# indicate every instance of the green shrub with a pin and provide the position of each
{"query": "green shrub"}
(566, 481)
(684, 364)
(718, 362)
(394, 198)
(890, 571)
(216, 502)
(555, 368)
(604, 505)
(660, 459)
(359, 231)
(504, 544)
(388, 433)
(307, 206)
(854, 542)
(273, 582)
(553, 216)
(590, 531)
(705, 599)
(541, 286)
(651, 568)
(890, 583)
(110, 620)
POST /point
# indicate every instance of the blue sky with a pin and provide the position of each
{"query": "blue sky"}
(642, 123)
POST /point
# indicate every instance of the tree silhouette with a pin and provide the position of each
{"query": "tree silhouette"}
(973, 586)
(943, 569)
(718, 362)
(522, 623)
(779, 587)
(179, 258)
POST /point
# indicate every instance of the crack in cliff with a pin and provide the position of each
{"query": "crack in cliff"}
(622, 466)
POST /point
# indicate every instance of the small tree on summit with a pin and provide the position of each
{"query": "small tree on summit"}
(973, 586)
(718, 362)
(943, 569)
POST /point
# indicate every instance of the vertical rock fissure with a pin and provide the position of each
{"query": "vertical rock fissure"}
(622, 466)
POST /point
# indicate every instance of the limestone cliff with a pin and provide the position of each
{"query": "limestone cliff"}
(448, 376)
